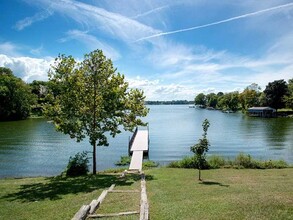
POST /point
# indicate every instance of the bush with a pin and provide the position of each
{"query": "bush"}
(216, 162)
(78, 165)
(241, 161)
(187, 162)
(149, 164)
(245, 161)
(124, 161)
(272, 164)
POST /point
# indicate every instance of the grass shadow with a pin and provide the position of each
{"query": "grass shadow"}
(213, 183)
(53, 188)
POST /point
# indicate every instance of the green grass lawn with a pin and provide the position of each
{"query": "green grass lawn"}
(172, 194)
(224, 194)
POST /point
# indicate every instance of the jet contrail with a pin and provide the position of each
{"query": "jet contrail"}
(149, 12)
(215, 23)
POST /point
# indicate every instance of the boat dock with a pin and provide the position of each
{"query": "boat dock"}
(138, 147)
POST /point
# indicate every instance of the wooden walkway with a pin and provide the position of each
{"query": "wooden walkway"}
(138, 146)
(89, 211)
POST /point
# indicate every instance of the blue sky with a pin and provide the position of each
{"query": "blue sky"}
(172, 49)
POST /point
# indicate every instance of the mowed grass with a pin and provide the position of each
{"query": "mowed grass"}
(224, 194)
(54, 198)
(172, 193)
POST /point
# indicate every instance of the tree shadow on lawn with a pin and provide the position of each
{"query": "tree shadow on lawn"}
(213, 183)
(55, 187)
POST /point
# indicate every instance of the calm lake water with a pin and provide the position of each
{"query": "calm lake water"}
(33, 147)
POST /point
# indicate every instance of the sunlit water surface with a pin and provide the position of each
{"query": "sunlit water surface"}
(33, 147)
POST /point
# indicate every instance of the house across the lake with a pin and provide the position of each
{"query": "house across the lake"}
(265, 112)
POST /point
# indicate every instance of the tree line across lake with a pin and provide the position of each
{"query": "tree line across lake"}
(277, 94)
(19, 100)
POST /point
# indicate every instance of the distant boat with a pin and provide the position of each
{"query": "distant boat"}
(191, 106)
(228, 111)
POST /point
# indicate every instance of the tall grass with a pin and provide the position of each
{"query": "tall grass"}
(241, 161)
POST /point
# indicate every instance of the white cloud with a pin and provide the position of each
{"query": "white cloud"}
(28, 21)
(27, 68)
(115, 25)
(157, 90)
(91, 43)
(37, 51)
(9, 49)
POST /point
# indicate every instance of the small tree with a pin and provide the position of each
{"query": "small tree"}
(201, 148)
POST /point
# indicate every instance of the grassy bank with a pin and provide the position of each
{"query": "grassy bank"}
(224, 194)
(172, 193)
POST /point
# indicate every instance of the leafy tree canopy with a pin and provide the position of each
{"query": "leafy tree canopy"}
(200, 99)
(90, 99)
(15, 96)
(274, 92)
(289, 97)
(250, 96)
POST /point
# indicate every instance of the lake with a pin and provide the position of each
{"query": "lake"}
(33, 148)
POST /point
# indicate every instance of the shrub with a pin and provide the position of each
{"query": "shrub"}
(216, 162)
(272, 164)
(124, 161)
(240, 162)
(188, 162)
(174, 164)
(149, 164)
(244, 161)
(77, 165)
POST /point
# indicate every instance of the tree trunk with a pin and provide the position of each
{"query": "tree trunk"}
(94, 159)
(199, 174)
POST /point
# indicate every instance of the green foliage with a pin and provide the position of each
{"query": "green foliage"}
(186, 162)
(149, 164)
(275, 92)
(15, 96)
(124, 161)
(215, 162)
(78, 165)
(249, 98)
(39, 90)
(289, 97)
(89, 99)
(200, 99)
(211, 100)
(229, 101)
(241, 161)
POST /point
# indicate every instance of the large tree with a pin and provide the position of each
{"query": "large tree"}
(92, 100)
(275, 92)
(200, 99)
(250, 96)
(15, 96)
(229, 101)
(212, 100)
